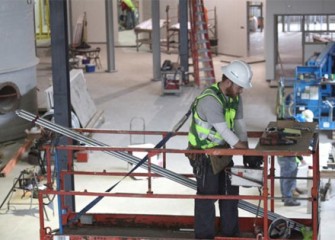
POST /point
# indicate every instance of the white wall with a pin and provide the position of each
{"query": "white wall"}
(228, 12)
(95, 10)
(232, 27)
(231, 22)
(96, 23)
(294, 7)
(145, 11)
(231, 19)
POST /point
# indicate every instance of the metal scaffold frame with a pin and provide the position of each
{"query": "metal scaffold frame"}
(72, 220)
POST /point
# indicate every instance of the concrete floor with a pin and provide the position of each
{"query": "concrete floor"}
(129, 93)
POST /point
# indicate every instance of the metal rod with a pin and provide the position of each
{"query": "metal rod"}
(122, 155)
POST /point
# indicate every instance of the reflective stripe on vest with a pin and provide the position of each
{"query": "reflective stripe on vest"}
(202, 134)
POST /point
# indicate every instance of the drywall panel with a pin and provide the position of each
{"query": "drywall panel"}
(232, 27)
(81, 101)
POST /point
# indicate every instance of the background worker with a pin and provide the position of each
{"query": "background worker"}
(217, 121)
(288, 173)
(129, 8)
(289, 169)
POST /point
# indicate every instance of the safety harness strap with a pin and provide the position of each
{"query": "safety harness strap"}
(157, 146)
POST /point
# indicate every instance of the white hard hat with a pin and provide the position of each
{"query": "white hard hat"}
(308, 114)
(238, 72)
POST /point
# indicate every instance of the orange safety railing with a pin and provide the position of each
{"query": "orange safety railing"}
(97, 220)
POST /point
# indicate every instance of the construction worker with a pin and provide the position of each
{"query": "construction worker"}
(289, 169)
(129, 8)
(288, 173)
(217, 121)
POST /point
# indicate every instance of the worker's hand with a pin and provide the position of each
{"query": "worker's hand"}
(241, 144)
(252, 161)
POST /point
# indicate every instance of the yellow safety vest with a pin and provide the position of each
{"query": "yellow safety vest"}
(203, 135)
(130, 4)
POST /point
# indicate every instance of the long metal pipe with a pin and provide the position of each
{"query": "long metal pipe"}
(122, 155)
(249, 207)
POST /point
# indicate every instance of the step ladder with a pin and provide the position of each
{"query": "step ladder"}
(200, 45)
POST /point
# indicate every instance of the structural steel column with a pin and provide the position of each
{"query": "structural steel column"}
(110, 36)
(156, 48)
(61, 86)
(183, 37)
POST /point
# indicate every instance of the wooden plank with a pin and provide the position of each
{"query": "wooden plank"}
(16, 157)
(327, 174)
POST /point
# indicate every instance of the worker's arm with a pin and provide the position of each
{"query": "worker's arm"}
(229, 136)
(240, 127)
(241, 144)
(210, 110)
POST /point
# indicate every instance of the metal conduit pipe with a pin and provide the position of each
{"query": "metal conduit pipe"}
(156, 169)
(124, 156)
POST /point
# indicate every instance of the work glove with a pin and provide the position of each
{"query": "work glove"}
(252, 161)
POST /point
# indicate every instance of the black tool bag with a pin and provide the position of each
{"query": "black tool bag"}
(253, 161)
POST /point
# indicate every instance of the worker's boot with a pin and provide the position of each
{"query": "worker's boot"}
(291, 203)
(300, 191)
(295, 193)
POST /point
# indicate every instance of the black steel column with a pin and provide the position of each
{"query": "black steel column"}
(61, 86)
(183, 37)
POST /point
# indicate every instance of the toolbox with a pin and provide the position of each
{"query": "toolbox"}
(171, 76)
(171, 81)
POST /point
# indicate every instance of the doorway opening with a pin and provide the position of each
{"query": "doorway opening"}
(128, 18)
(255, 36)
(288, 42)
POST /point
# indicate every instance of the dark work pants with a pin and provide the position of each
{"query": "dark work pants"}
(204, 209)
(130, 24)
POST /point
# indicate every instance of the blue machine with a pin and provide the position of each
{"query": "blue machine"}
(314, 88)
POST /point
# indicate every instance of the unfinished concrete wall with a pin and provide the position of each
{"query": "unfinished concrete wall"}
(95, 13)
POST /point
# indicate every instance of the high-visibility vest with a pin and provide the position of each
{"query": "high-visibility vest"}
(203, 135)
(129, 4)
